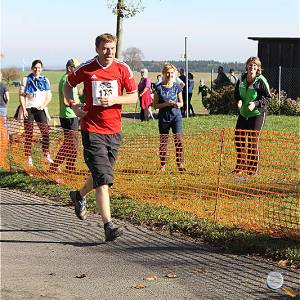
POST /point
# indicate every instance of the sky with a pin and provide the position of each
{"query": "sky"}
(55, 30)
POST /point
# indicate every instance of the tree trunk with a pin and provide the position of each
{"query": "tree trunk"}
(119, 32)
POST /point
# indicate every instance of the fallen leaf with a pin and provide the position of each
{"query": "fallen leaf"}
(171, 275)
(289, 292)
(139, 286)
(283, 263)
(200, 270)
(80, 276)
(150, 277)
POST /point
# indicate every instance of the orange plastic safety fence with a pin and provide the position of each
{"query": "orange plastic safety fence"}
(235, 178)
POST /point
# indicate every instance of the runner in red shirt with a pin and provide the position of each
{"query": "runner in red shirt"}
(104, 78)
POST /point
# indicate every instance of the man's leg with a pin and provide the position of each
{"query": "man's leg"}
(100, 152)
(79, 200)
(87, 187)
(103, 202)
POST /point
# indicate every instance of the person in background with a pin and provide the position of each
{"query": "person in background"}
(34, 96)
(168, 99)
(105, 78)
(69, 122)
(231, 76)
(4, 99)
(144, 90)
(252, 94)
(204, 91)
(191, 84)
(221, 79)
(183, 78)
(158, 79)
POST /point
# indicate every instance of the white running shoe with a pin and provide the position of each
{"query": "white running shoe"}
(29, 161)
(48, 159)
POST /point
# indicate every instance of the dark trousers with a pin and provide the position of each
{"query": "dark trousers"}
(40, 117)
(190, 104)
(164, 145)
(247, 132)
(164, 127)
(68, 150)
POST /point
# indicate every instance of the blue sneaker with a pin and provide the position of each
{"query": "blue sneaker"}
(80, 204)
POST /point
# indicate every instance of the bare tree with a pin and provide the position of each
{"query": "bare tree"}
(11, 74)
(133, 57)
(124, 9)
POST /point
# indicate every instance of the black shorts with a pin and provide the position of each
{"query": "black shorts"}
(100, 153)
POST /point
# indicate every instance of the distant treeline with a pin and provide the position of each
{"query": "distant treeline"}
(194, 65)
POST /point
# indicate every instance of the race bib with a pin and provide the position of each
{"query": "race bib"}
(104, 89)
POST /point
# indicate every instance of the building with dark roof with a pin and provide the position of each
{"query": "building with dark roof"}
(285, 52)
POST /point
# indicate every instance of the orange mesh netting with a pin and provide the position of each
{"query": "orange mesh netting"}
(192, 173)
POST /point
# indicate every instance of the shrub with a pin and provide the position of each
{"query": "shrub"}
(274, 105)
(283, 105)
(290, 107)
(221, 101)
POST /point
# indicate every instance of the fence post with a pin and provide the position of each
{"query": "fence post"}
(211, 78)
(222, 139)
(279, 87)
(9, 152)
(186, 76)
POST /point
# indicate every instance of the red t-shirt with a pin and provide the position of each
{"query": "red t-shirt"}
(102, 81)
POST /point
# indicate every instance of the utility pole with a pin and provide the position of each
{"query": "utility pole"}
(186, 75)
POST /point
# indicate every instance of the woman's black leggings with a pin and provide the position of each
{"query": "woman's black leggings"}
(40, 117)
(247, 132)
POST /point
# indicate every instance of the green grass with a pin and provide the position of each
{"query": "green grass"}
(288, 124)
(229, 240)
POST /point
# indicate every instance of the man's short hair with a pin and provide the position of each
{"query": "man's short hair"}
(106, 38)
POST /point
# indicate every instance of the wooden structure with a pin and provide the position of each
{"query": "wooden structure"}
(285, 52)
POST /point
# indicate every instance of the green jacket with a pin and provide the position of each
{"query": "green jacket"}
(258, 92)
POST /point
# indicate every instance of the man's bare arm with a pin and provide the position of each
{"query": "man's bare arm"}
(69, 101)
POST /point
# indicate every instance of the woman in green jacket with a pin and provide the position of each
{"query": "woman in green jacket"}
(252, 94)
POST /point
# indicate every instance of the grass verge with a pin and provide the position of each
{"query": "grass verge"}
(229, 240)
